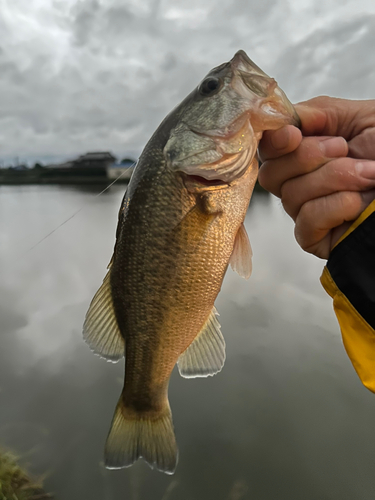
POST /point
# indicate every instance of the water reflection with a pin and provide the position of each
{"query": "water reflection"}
(286, 418)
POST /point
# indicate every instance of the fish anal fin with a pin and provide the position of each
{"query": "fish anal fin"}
(100, 329)
(206, 354)
(135, 435)
(241, 258)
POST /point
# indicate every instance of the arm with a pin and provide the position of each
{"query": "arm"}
(326, 181)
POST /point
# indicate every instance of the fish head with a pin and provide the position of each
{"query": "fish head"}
(217, 128)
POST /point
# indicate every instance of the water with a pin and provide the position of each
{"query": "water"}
(287, 418)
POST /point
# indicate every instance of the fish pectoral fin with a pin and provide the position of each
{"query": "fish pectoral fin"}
(241, 258)
(206, 354)
(100, 329)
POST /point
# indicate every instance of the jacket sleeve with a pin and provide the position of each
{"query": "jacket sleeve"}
(349, 278)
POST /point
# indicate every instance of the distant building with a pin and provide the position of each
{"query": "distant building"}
(123, 169)
(94, 160)
(93, 164)
(93, 167)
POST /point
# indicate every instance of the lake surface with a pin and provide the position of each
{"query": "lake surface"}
(286, 419)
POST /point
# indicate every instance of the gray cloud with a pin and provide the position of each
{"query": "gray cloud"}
(337, 60)
(101, 74)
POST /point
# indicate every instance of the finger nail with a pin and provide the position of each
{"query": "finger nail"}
(334, 146)
(280, 138)
(366, 169)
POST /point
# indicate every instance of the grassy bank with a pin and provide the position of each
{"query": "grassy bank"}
(15, 484)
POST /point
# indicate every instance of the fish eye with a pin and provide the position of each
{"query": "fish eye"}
(210, 86)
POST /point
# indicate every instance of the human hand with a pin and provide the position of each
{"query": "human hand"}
(325, 177)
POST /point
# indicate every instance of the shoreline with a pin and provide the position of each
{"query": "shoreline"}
(60, 180)
(77, 180)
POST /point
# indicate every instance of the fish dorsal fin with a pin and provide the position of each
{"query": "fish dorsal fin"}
(100, 329)
(241, 258)
(206, 354)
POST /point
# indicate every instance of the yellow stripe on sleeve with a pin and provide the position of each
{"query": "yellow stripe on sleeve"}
(358, 336)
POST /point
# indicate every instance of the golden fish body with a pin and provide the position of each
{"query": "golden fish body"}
(166, 275)
(180, 224)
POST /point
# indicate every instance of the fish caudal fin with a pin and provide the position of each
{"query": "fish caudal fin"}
(135, 435)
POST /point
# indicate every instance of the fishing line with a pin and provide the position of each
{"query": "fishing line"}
(76, 212)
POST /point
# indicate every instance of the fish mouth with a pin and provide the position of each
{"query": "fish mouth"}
(254, 84)
(206, 182)
(197, 183)
(241, 61)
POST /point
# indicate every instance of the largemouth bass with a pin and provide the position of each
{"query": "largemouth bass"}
(180, 225)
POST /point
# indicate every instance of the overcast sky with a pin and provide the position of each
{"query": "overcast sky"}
(89, 75)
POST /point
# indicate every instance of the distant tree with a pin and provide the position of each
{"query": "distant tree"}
(38, 166)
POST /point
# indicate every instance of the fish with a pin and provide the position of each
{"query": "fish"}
(180, 224)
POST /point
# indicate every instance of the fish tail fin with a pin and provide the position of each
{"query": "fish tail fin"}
(135, 434)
